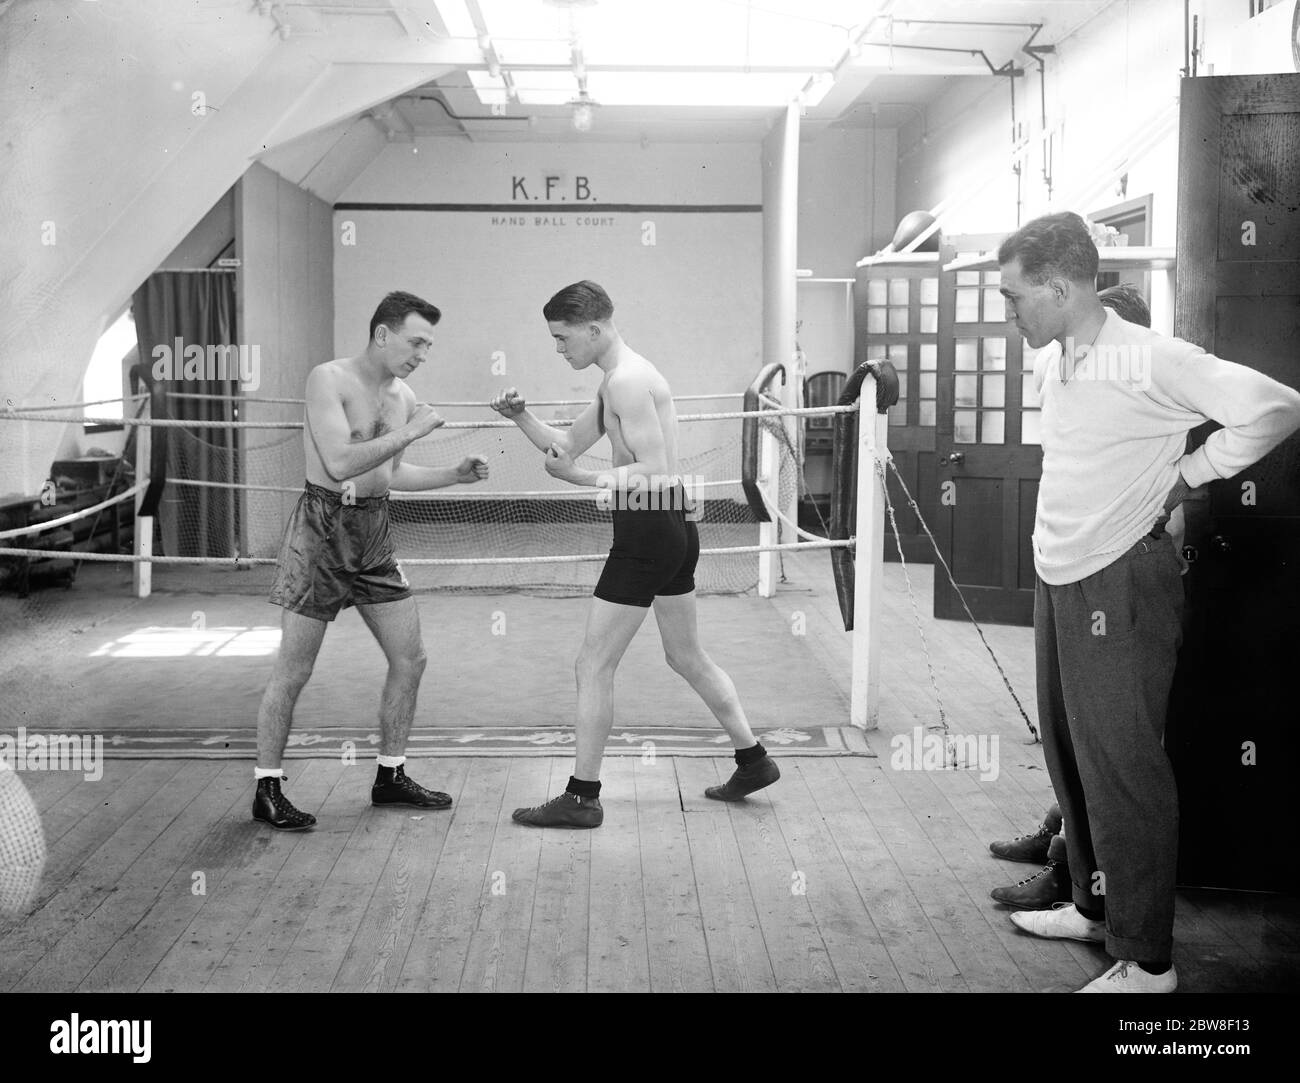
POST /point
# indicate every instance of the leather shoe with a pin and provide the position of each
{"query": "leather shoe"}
(272, 807)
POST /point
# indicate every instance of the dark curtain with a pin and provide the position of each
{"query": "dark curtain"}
(198, 308)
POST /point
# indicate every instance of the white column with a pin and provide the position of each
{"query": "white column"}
(868, 564)
(780, 159)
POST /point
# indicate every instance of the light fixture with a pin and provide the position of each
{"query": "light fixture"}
(582, 112)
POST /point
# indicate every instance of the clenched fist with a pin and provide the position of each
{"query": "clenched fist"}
(472, 469)
(509, 403)
(425, 419)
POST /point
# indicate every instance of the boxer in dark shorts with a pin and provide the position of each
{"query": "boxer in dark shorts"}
(360, 418)
(651, 564)
(654, 553)
(336, 553)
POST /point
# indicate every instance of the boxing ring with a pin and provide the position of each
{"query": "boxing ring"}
(750, 512)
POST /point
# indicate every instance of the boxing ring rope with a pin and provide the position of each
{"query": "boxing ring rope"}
(9, 408)
(758, 406)
(258, 400)
(177, 423)
(418, 562)
(436, 494)
(82, 514)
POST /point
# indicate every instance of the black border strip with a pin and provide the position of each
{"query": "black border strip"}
(552, 208)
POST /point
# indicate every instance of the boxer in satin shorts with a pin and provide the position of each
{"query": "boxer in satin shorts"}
(337, 553)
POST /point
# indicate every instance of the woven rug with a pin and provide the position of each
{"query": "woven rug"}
(332, 743)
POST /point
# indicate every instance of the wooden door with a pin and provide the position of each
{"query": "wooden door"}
(988, 455)
(896, 319)
(1234, 711)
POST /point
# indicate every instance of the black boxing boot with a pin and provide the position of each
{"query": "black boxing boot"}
(392, 787)
(754, 770)
(272, 807)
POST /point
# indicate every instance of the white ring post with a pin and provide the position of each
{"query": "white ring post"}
(143, 570)
(868, 564)
(769, 533)
(792, 398)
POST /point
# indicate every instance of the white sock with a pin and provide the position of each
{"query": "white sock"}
(267, 772)
(391, 761)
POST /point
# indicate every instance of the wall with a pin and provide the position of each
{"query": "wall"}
(692, 302)
(495, 250)
(286, 309)
(846, 211)
(838, 196)
(206, 241)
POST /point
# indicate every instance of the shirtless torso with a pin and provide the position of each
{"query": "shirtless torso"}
(633, 377)
(371, 411)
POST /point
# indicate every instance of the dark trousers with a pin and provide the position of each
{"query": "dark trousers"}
(1105, 650)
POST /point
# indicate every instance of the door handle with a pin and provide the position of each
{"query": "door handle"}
(953, 458)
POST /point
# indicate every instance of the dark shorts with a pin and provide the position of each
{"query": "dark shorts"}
(654, 554)
(337, 554)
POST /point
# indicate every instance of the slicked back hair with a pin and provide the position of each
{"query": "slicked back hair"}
(1053, 245)
(582, 302)
(1127, 302)
(394, 309)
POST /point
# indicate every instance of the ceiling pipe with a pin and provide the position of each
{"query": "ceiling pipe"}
(1037, 52)
(437, 100)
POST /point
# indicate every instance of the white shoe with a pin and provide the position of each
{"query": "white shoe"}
(1128, 977)
(1062, 922)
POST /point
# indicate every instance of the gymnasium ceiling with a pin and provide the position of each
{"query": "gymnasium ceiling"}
(718, 69)
(654, 70)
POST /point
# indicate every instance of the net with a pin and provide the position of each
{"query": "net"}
(22, 844)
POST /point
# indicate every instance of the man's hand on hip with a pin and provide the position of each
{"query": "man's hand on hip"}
(1180, 492)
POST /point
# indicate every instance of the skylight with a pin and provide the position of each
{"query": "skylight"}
(663, 52)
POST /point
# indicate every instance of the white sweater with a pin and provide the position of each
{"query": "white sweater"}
(1114, 432)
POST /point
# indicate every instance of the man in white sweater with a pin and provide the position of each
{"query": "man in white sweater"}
(1117, 403)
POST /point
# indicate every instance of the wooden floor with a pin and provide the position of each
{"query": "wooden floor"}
(848, 875)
